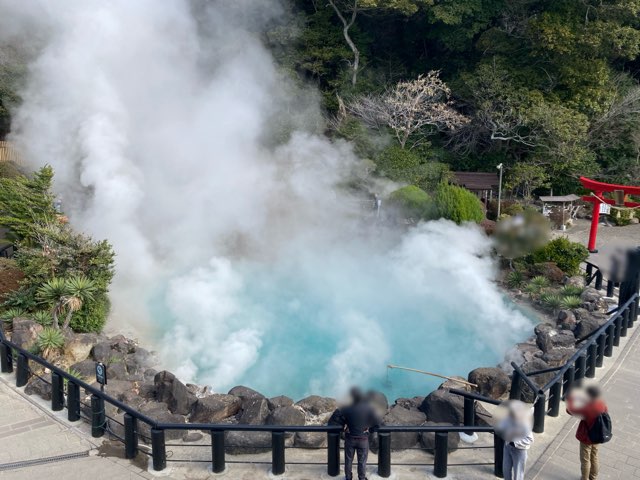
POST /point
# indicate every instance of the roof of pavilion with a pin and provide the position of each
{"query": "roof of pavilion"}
(476, 180)
(560, 198)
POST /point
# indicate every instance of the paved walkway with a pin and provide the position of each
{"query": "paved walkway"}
(619, 459)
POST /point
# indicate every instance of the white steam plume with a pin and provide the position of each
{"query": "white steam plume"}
(161, 120)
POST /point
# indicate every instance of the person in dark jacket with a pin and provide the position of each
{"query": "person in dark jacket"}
(359, 420)
(588, 411)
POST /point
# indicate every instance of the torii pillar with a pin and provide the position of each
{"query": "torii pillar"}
(597, 198)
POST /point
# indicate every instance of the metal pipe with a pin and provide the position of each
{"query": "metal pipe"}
(610, 286)
(73, 402)
(423, 372)
(602, 342)
(617, 329)
(130, 436)
(277, 453)
(498, 456)
(475, 396)
(625, 324)
(22, 372)
(441, 455)
(539, 412)
(384, 455)
(158, 450)
(469, 412)
(516, 386)
(598, 285)
(6, 358)
(581, 363)
(333, 454)
(569, 379)
(218, 461)
(608, 349)
(57, 392)
(555, 396)
(98, 417)
(592, 356)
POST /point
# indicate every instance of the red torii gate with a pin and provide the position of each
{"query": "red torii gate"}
(597, 198)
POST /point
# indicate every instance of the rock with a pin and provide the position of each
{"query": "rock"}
(310, 440)
(550, 270)
(174, 393)
(587, 326)
(191, 437)
(286, 416)
(280, 401)
(147, 390)
(200, 391)
(101, 352)
(428, 439)
(317, 405)
(117, 388)
(492, 382)
(539, 380)
(255, 411)
(78, 347)
(444, 407)
(548, 338)
(37, 386)
(122, 344)
(566, 320)
(160, 413)
(634, 220)
(402, 416)
(238, 443)
(149, 374)
(215, 408)
(410, 403)
(558, 356)
(117, 370)
(379, 403)
(86, 369)
(449, 384)
(244, 392)
(25, 332)
(593, 299)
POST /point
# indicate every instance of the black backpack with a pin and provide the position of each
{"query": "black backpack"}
(600, 432)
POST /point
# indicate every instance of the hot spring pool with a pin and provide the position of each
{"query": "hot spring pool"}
(332, 320)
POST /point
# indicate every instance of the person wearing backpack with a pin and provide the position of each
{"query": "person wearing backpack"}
(594, 429)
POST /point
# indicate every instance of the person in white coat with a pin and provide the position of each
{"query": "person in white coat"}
(516, 431)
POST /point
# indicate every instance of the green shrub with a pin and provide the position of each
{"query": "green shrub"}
(571, 301)
(43, 317)
(412, 201)
(512, 209)
(571, 291)
(552, 301)
(11, 313)
(532, 289)
(49, 340)
(567, 255)
(622, 216)
(515, 279)
(540, 282)
(408, 166)
(457, 204)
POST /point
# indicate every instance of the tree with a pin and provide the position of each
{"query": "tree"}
(409, 108)
(458, 204)
(524, 178)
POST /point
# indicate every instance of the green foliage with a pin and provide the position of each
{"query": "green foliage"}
(622, 216)
(566, 254)
(515, 279)
(50, 339)
(412, 202)
(540, 282)
(571, 291)
(570, 301)
(457, 204)
(552, 301)
(408, 166)
(11, 313)
(43, 317)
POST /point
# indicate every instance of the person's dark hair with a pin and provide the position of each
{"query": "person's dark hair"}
(356, 395)
(593, 392)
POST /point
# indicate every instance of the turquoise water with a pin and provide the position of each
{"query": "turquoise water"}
(321, 323)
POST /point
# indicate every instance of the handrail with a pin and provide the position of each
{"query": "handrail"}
(534, 388)
(475, 396)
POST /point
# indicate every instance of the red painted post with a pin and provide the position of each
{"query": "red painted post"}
(595, 218)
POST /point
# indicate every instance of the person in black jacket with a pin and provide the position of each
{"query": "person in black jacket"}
(359, 420)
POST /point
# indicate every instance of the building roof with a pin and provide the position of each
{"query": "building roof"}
(560, 198)
(476, 180)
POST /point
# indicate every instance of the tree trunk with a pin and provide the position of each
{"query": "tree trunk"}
(54, 314)
(67, 319)
(347, 37)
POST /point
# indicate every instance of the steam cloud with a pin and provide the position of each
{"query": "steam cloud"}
(161, 120)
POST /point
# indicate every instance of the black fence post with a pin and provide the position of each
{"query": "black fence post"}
(22, 372)
(441, 454)
(218, 462)
(592, 357)
(469, 413)
(333, 454)
(589, 270)
(555, 396)
(617, 330)
(581, 363)
(498, 455)
(57, 392)
(384, 455)
(516, 386)
(633, 313)
(73, 402)
(158, 450)
(130, 436)
(625, 323)
(569, 379)
(539, 412)
(610, 286)
(608, 349)
(277, 453)
(598, 285)
(98, 417)
(6, 359)
(602, 343)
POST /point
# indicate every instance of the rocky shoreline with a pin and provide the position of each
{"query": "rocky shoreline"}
(160, 395)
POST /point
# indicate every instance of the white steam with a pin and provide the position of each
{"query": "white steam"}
(167, 124)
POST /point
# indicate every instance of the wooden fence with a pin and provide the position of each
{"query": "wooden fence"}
(9, 153)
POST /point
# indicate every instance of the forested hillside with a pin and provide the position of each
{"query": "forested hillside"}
(550, 88)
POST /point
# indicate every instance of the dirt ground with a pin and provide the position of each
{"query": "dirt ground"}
(10, 277)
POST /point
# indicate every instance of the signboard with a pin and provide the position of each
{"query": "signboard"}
(605, 208)
(101, 373)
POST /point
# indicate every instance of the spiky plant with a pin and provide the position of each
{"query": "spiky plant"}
(80, 289)
(540, 282)
(571, 291)
(552, 301)
(43, 317)
(571, 301)
(515, 279)
(53, 294)
(11, 313)
(49, 341)
(532, 289)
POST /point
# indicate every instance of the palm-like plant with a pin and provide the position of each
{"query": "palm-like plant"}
(11, 313)
(80, 289)
(571, 290)
(53, 293)
(49, 341)
(571, 301)
(42, 317)
(551, 300)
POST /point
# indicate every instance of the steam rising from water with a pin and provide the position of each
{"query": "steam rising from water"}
(174, 136)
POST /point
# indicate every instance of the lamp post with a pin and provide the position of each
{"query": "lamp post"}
(499, 167)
